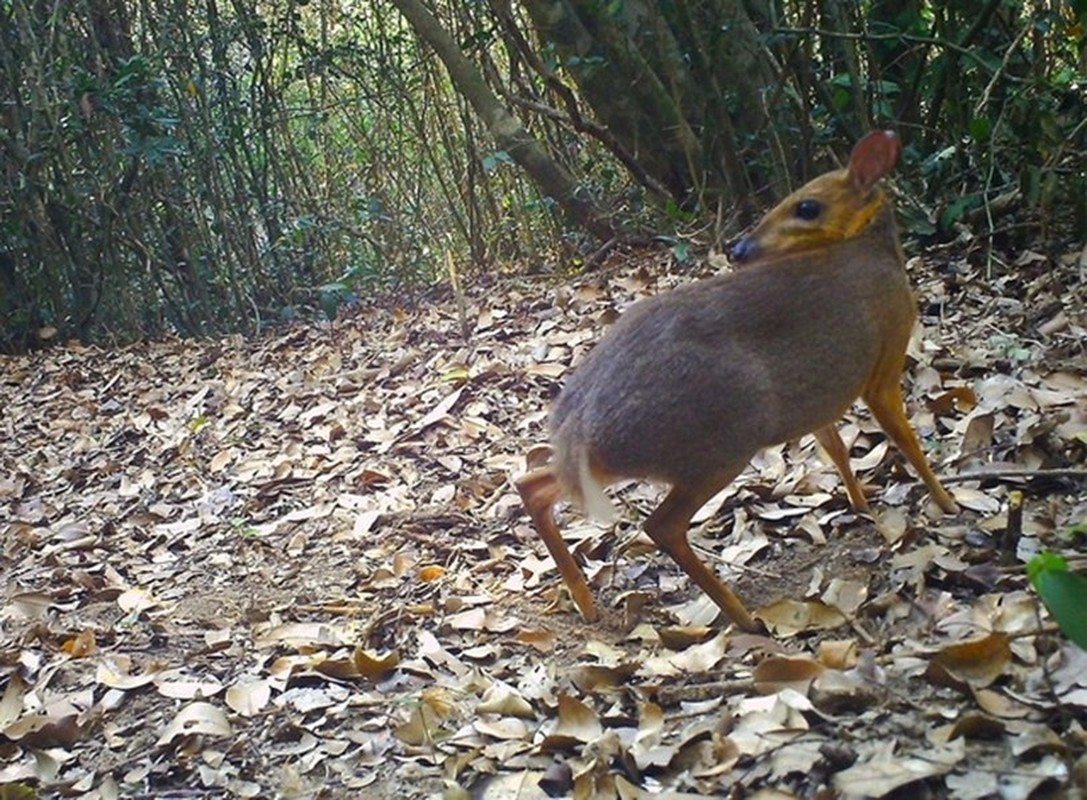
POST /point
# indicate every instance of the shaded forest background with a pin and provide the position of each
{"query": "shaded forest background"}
(200, 168)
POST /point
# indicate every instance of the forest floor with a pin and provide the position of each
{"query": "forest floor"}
(296, 567)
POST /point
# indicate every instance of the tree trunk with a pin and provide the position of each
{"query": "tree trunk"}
(510, 135)
(672, 81)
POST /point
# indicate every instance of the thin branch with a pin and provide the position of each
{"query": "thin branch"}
(905, 37)
(598, 132)
(573, 116)
(1001, 474)
(999, 71)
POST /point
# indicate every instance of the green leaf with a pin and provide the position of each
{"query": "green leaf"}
(955, 211)
(330, 304)
(493, 161)
(980, 129)
(332, 296)
(682, 252)
(1064, 594)
(674, 211)
(1078, 530)
(1045, 562)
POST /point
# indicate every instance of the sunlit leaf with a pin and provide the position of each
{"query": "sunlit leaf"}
(977, 663)
(197, 718)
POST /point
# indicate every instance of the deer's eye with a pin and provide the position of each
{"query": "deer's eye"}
(809, 209)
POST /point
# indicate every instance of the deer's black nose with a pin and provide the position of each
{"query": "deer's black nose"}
(745, 249)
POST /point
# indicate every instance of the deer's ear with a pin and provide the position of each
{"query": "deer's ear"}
(873, 157)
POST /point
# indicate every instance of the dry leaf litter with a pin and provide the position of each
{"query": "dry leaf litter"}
(295, 567)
